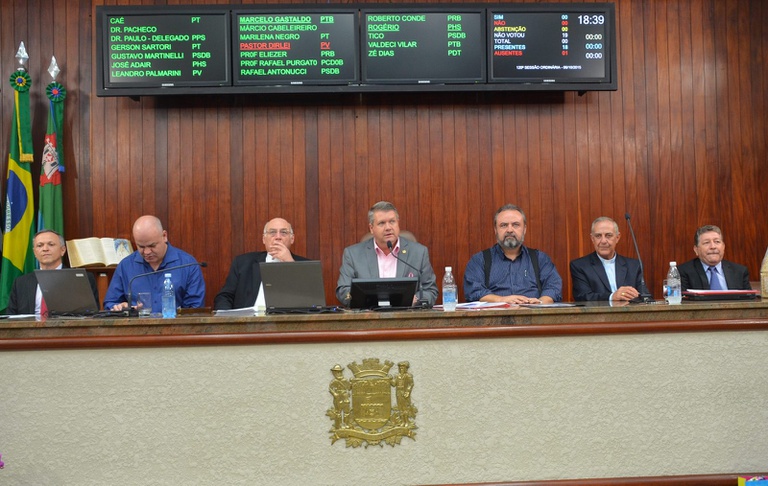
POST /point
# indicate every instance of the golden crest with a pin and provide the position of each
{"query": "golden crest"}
(363, 412)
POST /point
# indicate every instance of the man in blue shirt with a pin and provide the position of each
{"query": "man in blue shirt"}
(510, 272)
(154, 253)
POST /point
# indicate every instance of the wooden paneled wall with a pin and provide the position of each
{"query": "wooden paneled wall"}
(680, 144)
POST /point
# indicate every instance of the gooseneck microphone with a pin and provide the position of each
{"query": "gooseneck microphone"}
(133, 312)
(645, 296)
(420, 302)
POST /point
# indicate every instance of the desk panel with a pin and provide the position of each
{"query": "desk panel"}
(495, 402)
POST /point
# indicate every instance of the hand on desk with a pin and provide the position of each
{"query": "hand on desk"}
(518, 299)
(625, 294)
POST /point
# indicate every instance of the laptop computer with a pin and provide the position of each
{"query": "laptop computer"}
(293, 287)
(67, 292)
(706, 295)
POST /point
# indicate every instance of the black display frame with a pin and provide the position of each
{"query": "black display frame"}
(428, 78)
(301, 10)
(609, 83)
(369, 293)
(554, 81)
(105, 87)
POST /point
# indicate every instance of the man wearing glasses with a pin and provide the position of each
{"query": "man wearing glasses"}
(243, 285)
(604, 274)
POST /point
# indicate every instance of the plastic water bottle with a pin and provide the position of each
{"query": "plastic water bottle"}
(169, 298)
(449, 291)
(674, 286)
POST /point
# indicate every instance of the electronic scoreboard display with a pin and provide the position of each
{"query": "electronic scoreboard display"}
(313, 48)
(556, 44)
(423, 46)
(153, 48)
(300, 47)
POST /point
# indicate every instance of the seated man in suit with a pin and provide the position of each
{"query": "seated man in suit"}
(243, 286)
(604, 274)
(26, 297)
(154, 254)
(709, 271)
(375, 258)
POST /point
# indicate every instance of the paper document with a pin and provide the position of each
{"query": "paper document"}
(721, 292)
(242, 312)
(478, 305)
(554, 304)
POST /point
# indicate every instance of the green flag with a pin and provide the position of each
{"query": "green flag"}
(51, 211)
(18, 258)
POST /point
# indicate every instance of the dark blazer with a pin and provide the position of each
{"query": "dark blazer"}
(590, 282)
(693, 276)
(243, 282)
(22, 298)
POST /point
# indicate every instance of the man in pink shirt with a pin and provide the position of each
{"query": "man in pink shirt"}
(386, 255)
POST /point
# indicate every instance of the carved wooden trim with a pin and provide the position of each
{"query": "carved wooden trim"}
(690, 480)
(363, 335)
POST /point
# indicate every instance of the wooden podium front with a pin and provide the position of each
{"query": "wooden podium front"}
(501, 396)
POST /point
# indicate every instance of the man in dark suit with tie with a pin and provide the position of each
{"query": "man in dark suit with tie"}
(243, 285)
(604, 274)
(709, 271)
(26, 297)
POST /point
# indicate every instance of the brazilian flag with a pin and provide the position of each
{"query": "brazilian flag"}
(19, 227)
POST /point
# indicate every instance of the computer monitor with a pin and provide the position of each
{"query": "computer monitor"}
(382, 292)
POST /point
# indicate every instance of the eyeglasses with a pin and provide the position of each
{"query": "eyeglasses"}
(274, 232)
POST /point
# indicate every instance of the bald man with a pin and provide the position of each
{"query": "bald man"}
(154, 253)
(243, 286)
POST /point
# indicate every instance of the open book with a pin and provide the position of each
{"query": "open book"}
(87, 252)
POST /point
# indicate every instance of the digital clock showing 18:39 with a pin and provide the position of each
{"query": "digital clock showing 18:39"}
(591, 19)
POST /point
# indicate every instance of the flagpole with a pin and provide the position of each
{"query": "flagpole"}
(19, 214)
(51, 212)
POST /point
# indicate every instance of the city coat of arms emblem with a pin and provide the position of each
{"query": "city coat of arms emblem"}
(363, 412)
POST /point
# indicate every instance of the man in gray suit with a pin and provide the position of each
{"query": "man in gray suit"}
(384, 255)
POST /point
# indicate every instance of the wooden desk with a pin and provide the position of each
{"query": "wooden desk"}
(513, 395)
(598, 317)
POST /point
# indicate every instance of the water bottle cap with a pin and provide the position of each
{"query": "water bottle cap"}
(672, 264)
(167, 275)
(448, 269)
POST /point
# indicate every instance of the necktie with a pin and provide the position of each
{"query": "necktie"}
(714, 282)
(43, 308)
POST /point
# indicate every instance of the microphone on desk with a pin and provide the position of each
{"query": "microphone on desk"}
(420, 302)
(645, 296)
(131, 312)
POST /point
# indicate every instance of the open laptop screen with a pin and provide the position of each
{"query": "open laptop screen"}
(67, 291)
(382, 292)
(293, 285)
